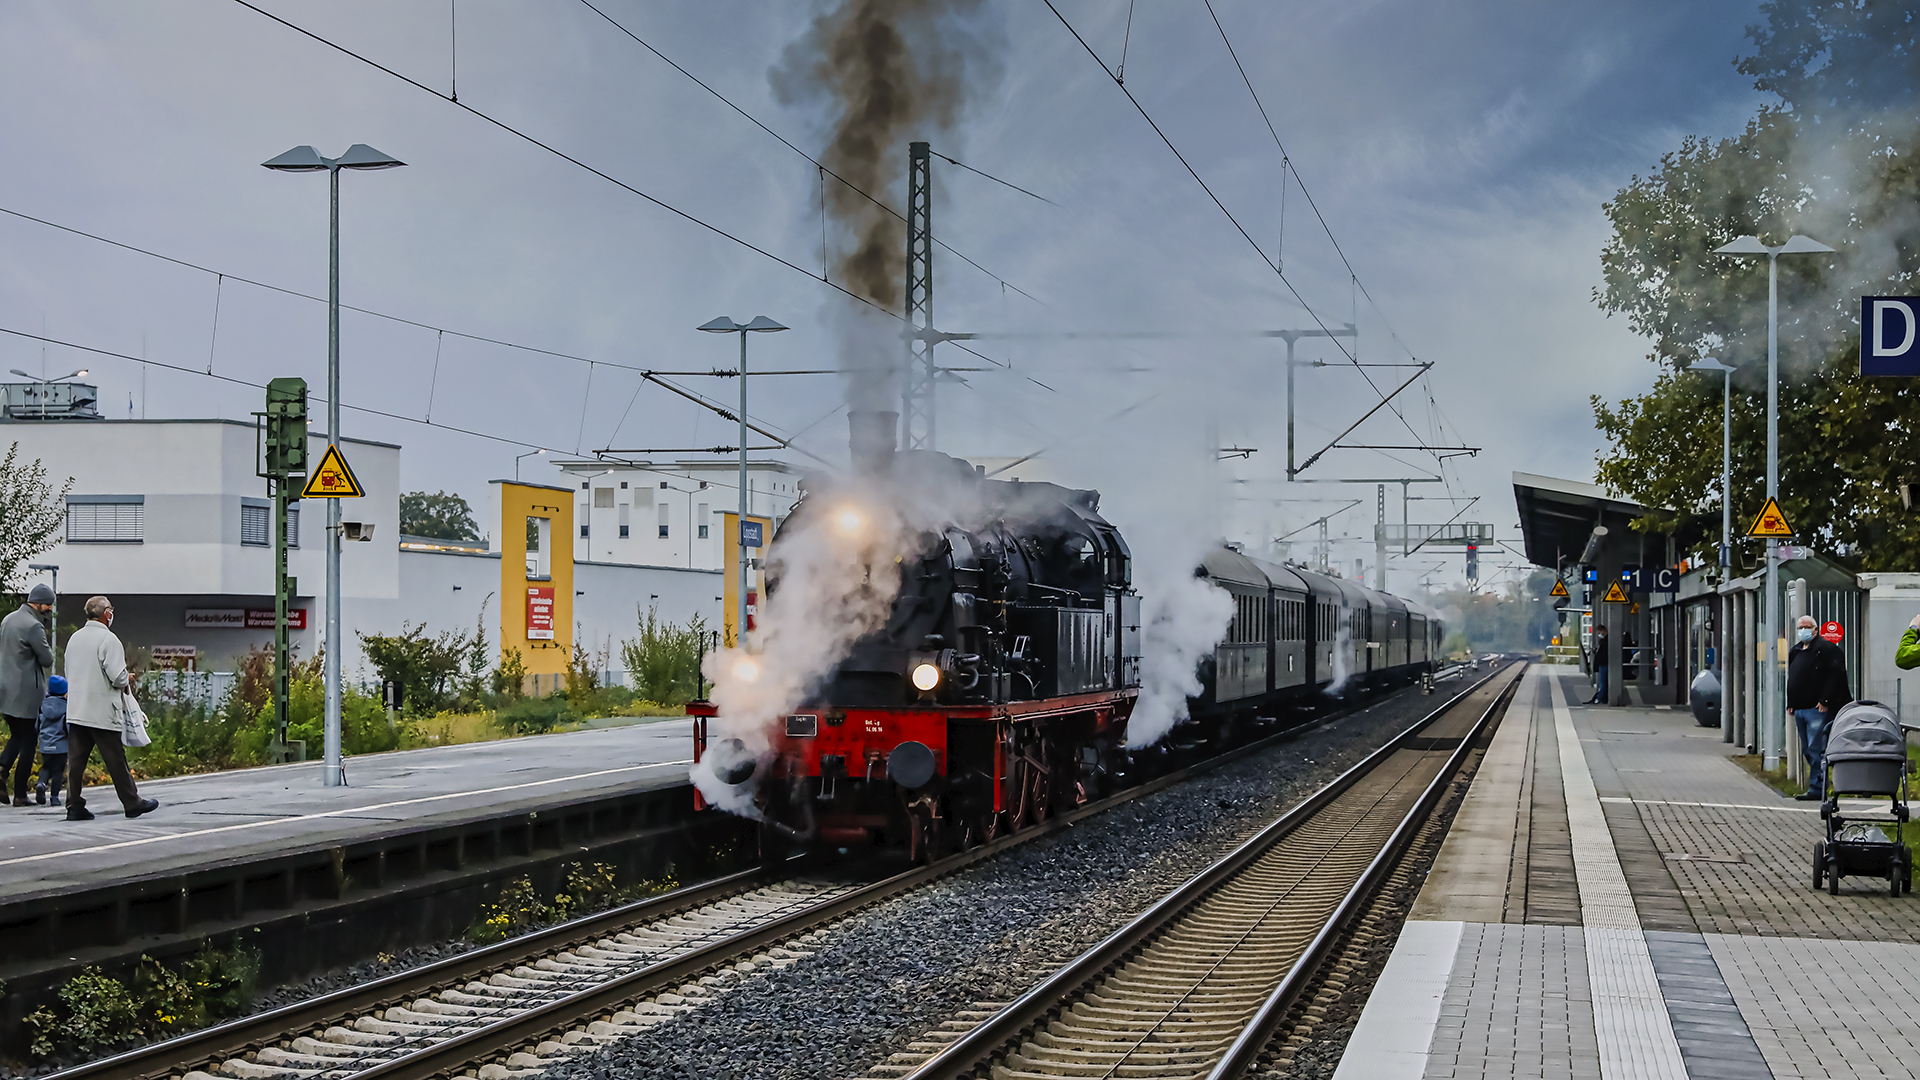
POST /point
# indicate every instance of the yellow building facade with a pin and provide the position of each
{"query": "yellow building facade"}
(536, 575)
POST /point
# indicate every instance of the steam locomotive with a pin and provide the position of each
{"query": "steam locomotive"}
(998, 692)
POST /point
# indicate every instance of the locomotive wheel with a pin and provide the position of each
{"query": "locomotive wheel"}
(773, 846)
(1040, 795)
(926, 836)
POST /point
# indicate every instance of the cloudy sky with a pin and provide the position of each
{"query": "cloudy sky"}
(1460, 155)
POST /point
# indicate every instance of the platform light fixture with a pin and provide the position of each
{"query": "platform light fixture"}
(306, 159)
(760, 325)
(1773, 733)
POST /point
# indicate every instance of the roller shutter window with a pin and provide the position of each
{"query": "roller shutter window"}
(705, 511)
(256, 526)
(624, 508)
(106, 519)
(603, 498)
(585, 517)
(664, 510)
(293, 526)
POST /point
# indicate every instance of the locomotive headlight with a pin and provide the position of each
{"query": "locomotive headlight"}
(746, 669)
(849, 522)
(925, 677)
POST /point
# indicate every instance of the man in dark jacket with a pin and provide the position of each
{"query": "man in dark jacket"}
(25, 662)
(1600, 659)
(1816, 688)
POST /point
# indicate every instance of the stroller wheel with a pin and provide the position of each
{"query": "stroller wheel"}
(1833, 878)
(1819, 864)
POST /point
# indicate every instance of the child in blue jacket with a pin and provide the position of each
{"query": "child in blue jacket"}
(53, 742)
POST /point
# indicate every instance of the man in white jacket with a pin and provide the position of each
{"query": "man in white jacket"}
(97, 676)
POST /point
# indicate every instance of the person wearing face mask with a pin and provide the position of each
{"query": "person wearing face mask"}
(96, 677)
(1816, 688)
(25, 661)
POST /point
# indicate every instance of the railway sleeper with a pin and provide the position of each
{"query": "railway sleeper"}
(1020, 1067)
(1146, 1054)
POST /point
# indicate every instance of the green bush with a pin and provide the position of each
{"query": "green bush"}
(535, 716)
(98, 1013)
(663, 663)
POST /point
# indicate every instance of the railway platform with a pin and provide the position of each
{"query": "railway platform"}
(244, 814)
(1617, 898)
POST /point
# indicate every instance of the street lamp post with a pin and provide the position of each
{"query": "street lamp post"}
(307, 159)
(1773, 734)
(1708, 364)
(516, 462)
(46, 385)
(760, 325)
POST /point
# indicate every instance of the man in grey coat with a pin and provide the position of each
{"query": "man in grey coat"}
(25, 662)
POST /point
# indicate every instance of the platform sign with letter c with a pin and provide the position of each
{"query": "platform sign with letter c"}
(1890, 335)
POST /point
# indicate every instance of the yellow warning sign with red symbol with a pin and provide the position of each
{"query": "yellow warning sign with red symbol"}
(1559, 588)
(1770, 521)
(333, 479)
(1615, 594)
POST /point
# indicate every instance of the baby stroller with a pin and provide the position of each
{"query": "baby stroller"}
(1866, 756)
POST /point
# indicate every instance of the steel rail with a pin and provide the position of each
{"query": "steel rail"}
(1245, 1051)
(158, 1061)
(978, 1047)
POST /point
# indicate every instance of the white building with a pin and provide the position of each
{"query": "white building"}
(667, 514)
(170, 520)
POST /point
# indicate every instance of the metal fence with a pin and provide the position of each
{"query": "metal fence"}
(176, 689)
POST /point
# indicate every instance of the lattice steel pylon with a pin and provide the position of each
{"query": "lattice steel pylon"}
(918, 378)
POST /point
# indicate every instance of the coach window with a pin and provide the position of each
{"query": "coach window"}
(539, 549)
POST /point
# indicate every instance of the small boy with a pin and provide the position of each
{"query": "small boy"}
(53, 742)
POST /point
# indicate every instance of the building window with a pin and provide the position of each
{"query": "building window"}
(623, 532)
(106, 519)
(603, 498)
(583, 485)
(704, 513)
(583, 532)
(623, 485)
(256, 525)
(663, 485)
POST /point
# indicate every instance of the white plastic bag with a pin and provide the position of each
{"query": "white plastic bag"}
(133, 722)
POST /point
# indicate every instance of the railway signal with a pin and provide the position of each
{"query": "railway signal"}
(283, 464)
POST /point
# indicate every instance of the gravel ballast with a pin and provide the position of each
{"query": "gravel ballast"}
(879, 979)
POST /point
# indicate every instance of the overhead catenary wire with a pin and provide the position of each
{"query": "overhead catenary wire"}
(572, 160)
(401, 417)
(1234, 221)
(824, 171)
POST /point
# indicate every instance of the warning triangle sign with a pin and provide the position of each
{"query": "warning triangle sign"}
(1615, 594)
(1559, 589)
(1770, 522)
(333, 479)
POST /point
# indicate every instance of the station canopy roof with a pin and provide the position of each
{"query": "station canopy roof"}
(1557, 516)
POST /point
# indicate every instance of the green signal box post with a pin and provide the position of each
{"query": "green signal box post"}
(283, 460)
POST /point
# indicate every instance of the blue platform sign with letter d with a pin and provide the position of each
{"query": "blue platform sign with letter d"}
(1890, 335)
(749, 534)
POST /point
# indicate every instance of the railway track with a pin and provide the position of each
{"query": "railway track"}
(519, 1006)
(1195, 986)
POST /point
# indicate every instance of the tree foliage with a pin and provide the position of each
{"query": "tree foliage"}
(663, 663)
(439, 516)
(31, 512)
(428, 669)
(1834, 161)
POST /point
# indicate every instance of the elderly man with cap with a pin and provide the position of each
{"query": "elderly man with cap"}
(25, 662)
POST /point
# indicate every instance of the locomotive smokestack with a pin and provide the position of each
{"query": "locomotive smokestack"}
(871, 438)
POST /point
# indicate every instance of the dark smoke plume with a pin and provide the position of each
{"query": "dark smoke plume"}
(888, 72)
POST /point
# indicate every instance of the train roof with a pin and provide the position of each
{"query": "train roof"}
(1226, 564)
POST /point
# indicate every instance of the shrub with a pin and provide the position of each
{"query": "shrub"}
(590, 888)
(98, 1013)
(535, 716)
(663, 663)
